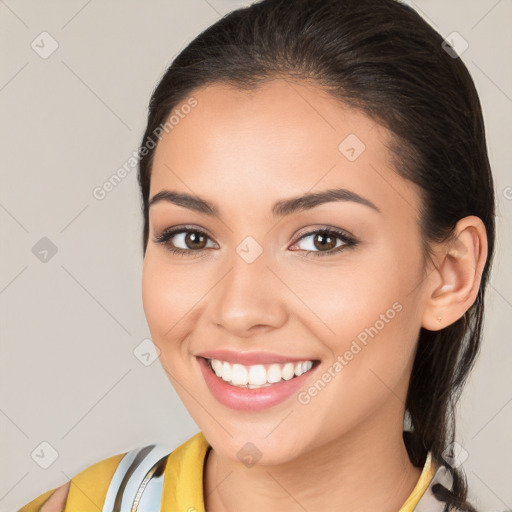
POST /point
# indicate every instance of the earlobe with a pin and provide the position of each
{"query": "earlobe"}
(456, 279)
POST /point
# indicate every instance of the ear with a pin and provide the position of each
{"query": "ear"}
(453, 285)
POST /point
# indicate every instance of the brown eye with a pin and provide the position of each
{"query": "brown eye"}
(190, 240)
(324, 242)
(195, 240)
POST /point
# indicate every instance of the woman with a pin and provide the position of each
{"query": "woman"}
(318, 235)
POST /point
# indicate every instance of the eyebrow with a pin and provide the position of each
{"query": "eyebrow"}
(279, 209)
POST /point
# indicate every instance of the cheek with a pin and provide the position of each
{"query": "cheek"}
(163, 299)
(173, 297)
(367, 313)
(371, 350)
(342, 301)
(154, 298)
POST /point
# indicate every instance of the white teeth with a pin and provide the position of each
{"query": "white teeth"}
(288, 371)
(217, 367)
(274, 373)
(258, 375)
(239, 375)
(226, 372)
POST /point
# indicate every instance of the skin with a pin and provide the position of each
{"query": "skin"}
(57, 500)
(244, 151)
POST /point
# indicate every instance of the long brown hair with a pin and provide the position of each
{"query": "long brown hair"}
(381, 57)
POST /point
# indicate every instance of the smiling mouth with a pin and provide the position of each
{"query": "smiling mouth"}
(259, 375)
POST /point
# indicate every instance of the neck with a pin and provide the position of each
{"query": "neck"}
(366, 469)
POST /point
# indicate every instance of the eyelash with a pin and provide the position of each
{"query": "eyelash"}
(348, 240)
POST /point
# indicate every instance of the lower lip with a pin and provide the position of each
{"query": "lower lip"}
(250, 399)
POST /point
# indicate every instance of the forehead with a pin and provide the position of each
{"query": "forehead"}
(279, 140)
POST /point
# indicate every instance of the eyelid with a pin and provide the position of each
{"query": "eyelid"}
(346, 237)
(348, 240)
(324, 228)
(180, 228)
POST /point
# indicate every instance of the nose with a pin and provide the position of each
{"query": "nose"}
(250, 298)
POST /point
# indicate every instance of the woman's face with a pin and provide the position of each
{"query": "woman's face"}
(247, 285)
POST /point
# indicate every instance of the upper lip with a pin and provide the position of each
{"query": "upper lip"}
(250, 358)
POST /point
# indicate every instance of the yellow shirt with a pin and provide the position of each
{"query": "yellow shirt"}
(183, 482)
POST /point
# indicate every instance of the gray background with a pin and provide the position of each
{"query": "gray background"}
(70, 324)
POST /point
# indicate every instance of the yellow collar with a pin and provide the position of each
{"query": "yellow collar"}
(183, 478)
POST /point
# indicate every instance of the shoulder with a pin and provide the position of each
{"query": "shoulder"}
(93, 480)
(50, 501)
(57, 500)
(120, 477)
